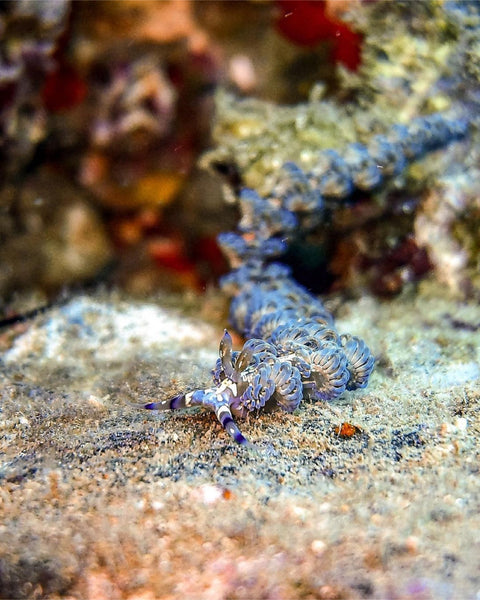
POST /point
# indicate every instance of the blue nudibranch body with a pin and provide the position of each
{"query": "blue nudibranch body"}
(293, 350)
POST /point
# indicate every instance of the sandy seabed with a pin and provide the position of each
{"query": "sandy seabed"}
(99, 499)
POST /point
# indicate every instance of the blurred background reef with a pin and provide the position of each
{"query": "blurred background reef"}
(124, 127)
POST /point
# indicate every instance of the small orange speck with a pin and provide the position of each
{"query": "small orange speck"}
(346, 430)
(227, 494)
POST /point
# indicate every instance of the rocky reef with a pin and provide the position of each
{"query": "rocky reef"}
(377, 239)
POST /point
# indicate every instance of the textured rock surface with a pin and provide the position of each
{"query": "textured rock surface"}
(101, 500)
